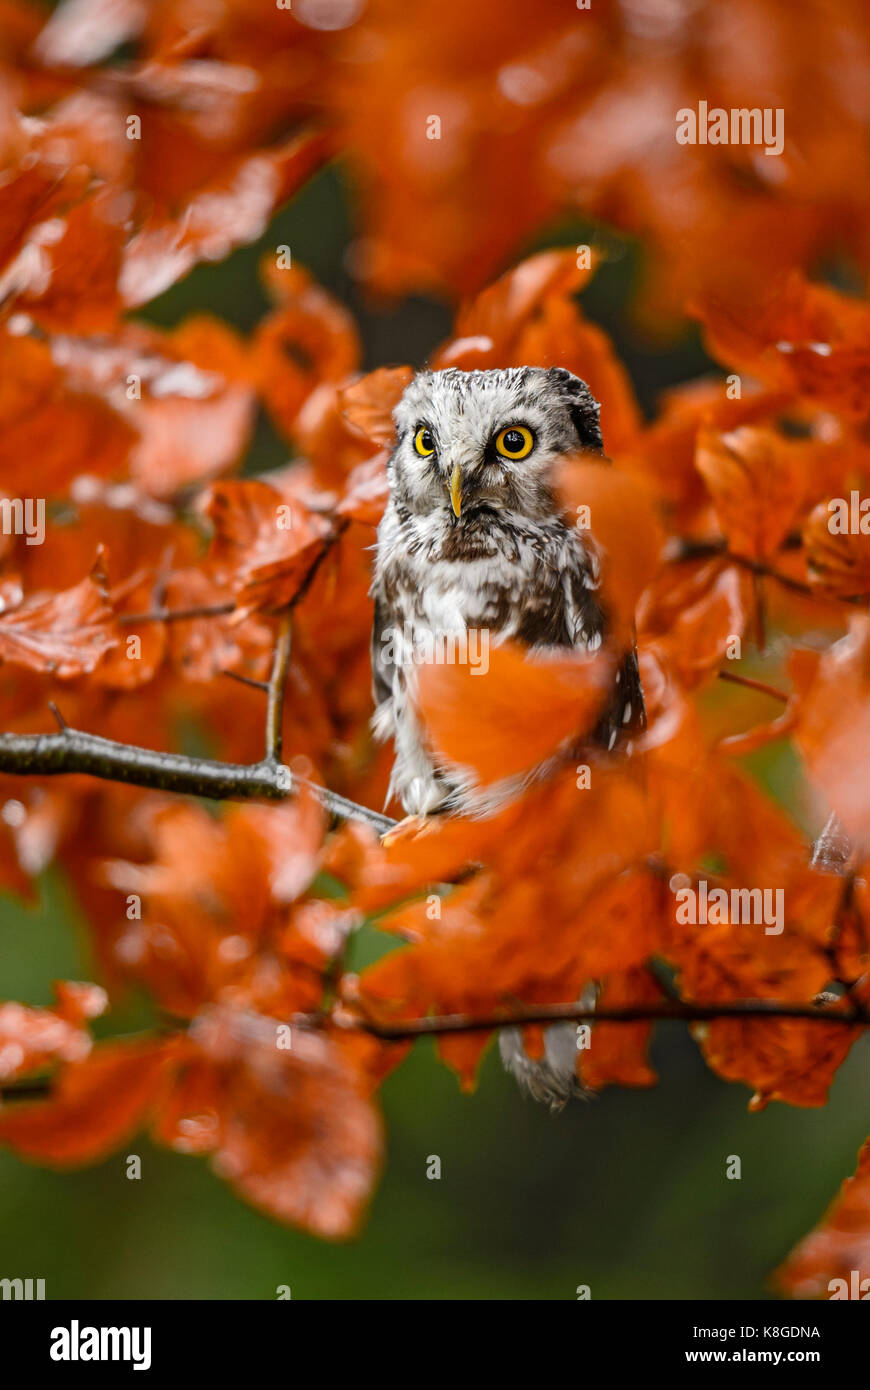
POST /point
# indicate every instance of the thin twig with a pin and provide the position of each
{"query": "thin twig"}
(404, 1029)
(58, 717)
(246, 680)
(684, 549)
(276, 687)
(177, 615)
(751, 684)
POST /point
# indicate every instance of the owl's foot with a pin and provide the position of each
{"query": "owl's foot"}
(411, 828)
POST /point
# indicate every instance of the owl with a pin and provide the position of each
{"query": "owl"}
(473, 541)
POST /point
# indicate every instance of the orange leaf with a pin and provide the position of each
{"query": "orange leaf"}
(74, 284)
(233, 209)
(367, 492)
(756, 485)
(781, 1059)
(833, 1261)
(298, 1135)
(617, 1055)
(516, 714)
(833, 723)
(618, 511)
(66, 634)
(690, 613)
(265, 540)
(368, 404)
(44, 416)
(796, 336)
(838, 561)
(309, 341)
(31, 1039)
(97, 1104)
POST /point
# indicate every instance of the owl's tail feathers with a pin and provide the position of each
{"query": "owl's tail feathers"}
(553, 1080)
(382, 721)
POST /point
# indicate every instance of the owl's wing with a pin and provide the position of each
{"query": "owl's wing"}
(625, 712)
(382, 666)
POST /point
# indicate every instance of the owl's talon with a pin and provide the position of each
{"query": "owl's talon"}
(410, 828)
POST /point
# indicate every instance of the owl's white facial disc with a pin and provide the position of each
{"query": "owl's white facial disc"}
(472, 442)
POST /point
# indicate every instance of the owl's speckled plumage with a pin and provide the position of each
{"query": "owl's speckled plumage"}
(509, 564)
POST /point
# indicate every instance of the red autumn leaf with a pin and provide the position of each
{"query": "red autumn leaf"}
(233, 210)
(66, 634)
(834, 1259)
(45, 417)
(530, 316)
(368, 404)
(756, 486)
(136, 658)
(479, 719)
(797, 337)
(68, 279)
(184, 395)
(97, 1103)
(200, 648)
(264, 542)
(578, 867)
(618, 1052)
(619, 514)
(781, 1059)
(833, 723)
(31, 1039)
(214, 892)
(690, 615)
(838, 559)
(298, 1135)
(309, 340)
(366, 493)
(380, 874)
(500, 312)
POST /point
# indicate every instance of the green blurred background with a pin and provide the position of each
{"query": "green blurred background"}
(627, 1194)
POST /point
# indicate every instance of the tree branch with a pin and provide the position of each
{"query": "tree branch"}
(405, 1029)
(72, 751)
(178, 615)
(276, 686)
(734, 679)
(686, 549)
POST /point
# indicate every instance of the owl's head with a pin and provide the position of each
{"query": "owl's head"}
(469, 442)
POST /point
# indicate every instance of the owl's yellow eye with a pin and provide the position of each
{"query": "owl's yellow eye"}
(516, 442)
(424, 442)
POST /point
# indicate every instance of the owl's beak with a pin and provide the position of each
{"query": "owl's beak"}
(456, 491)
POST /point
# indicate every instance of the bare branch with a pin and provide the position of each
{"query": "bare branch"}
(258, 1026)
(685, 549)
(58, 717)
(246, 680)
(734, 679)
(404, 1029)
(277, 684)
(71, 750)
(178, 615)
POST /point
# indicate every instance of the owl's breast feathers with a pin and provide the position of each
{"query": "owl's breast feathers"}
(531, 581)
